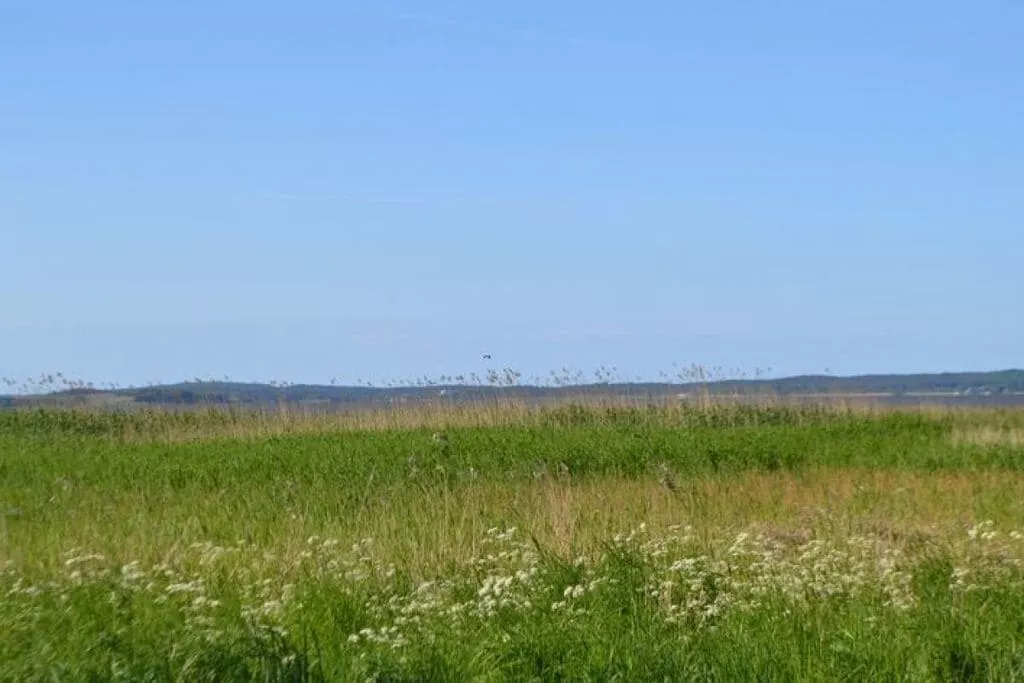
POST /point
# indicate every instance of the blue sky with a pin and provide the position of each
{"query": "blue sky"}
(310, 190)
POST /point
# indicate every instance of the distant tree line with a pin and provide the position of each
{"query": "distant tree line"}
(252, 394)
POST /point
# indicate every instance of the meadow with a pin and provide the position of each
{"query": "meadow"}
(498, 541)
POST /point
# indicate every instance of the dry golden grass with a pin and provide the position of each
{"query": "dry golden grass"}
(988, 436)
(248, 423)
(427, 531)
(577, 517)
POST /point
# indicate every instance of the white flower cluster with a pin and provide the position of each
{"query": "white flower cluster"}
(692, 581)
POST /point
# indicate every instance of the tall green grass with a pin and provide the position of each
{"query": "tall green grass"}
(671, 542)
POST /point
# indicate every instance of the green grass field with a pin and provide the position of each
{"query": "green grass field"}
(497, 542)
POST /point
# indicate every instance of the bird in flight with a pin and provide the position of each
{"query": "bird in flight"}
(487, 356)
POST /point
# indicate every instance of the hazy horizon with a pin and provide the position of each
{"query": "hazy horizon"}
(494, 377)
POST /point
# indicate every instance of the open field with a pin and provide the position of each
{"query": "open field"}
(497, 541)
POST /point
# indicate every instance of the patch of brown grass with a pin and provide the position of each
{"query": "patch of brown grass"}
(248, 423)
(989, 436)
(430, 529)
(907, 509)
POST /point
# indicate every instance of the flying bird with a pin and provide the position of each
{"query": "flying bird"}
(487, 356)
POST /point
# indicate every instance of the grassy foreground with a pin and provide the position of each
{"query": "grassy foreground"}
(497, 542)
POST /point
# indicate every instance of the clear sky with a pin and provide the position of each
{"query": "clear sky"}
(387, 190)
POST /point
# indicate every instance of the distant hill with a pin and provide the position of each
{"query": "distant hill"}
(961, 384)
